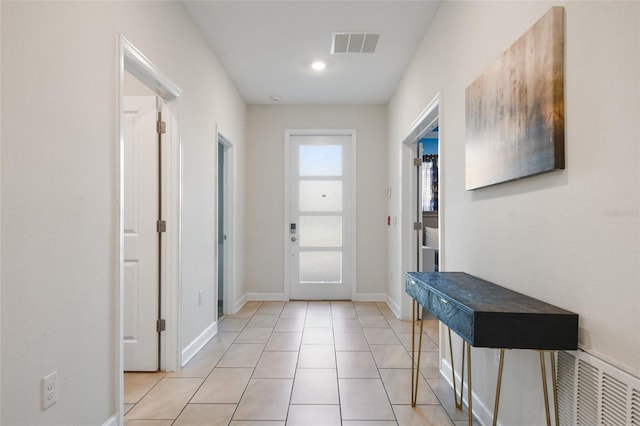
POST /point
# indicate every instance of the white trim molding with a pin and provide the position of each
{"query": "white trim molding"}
(111, 421)
(198, 343)
(370, 297)
(238, 304)
(279, 297)
(395, 308)
(144, 70)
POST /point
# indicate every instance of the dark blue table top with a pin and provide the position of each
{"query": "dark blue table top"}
(488, 315)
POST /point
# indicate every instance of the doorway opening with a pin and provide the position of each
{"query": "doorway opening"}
(133, 64)
(221, 235)
(320, 197)
(428, 197)
(422, 205)
(225, 225)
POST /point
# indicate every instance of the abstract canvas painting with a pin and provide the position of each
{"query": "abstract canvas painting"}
(515, 110)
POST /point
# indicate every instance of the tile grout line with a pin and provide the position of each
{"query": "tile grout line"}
(335, 358)
(295, 370)
(386, 392)
(332, 310)
(210, 372)
(254, 368)
(145, 394)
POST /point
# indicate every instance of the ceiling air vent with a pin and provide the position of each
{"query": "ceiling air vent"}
(354, 42)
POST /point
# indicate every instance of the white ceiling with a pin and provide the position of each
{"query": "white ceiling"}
(267, 47)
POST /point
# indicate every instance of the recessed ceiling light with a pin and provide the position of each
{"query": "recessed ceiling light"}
(318, 65)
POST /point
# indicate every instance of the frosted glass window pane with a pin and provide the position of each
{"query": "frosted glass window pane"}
(320, 160)
(320, 231)
(320, 196)
(320, 267)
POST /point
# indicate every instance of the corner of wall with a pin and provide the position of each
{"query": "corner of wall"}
(393, 305)
(112, 421)
(198, 343)
(239, 304)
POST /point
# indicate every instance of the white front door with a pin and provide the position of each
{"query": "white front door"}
(141, 238)
(320, 229)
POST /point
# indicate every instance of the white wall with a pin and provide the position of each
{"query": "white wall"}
(265, 191)
(134, 87)
(59, 192)
(572, 237)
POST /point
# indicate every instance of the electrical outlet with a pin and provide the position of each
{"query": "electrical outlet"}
(200, 297)
(49, 390)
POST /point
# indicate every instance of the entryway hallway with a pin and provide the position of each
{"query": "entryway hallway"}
(300, 363)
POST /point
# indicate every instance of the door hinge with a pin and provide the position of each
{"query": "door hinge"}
(161, 225)
(161, 127)
(161, 325)
(417, 226)
(417, 162)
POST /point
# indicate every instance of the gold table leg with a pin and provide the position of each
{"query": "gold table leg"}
(415, 365)
(469, 398)
(555, 386)
(453, 373)
(415, 377)
(498, 386)
(545, 391)
(466, 346)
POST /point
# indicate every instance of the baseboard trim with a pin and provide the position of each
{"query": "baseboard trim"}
(198, 343)
(370, 297)
(480, 410)
(239, 304)
(359, 297)
(393, 306)
(111, 421)
(266, 296)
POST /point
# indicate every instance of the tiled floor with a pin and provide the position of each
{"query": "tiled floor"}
(299, 363)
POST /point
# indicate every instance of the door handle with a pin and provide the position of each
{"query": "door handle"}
(294, 239)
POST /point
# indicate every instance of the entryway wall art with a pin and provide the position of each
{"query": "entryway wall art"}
(515, 110)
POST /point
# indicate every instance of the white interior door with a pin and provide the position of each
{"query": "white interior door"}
(320, 217)
(141, 212)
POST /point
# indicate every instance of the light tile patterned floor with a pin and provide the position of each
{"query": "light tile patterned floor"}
(299, 363)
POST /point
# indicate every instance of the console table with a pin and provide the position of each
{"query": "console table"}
(486, 315)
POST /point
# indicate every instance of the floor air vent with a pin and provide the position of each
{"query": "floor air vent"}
(566, 376)
(593, 392)
(635, 408)
(587, 398)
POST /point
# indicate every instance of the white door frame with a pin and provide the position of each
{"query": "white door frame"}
(130, 59)
(422, 125)
(229, 225)
(287, 246)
